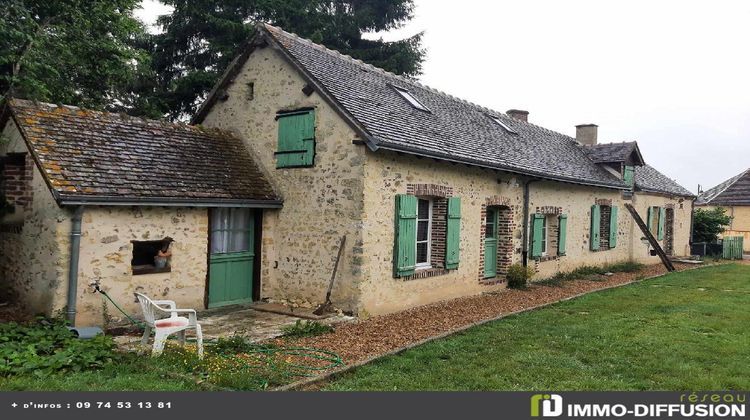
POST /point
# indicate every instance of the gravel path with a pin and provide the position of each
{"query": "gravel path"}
(361, 340)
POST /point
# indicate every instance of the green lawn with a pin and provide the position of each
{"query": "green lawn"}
(686, 331)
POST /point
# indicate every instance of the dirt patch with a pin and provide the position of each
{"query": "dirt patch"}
(361, 340)
(10, 312)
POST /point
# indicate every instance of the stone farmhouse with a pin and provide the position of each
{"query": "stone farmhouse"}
(733, 195)
(295, 147)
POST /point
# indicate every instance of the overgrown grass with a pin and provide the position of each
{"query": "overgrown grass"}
(228, 363)
(305, 328)
(589, 272)
(684, 331)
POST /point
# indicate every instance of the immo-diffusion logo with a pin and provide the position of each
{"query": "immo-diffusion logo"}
(551, 405)
(714, 405)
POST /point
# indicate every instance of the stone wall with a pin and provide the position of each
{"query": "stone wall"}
(388, 174)
(321, 203)
(32, 265)
(107, 250)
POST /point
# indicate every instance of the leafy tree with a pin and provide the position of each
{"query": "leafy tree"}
(77, 52)
(201, 37)
(708, 224)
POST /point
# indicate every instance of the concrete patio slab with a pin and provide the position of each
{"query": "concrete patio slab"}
(244, 321)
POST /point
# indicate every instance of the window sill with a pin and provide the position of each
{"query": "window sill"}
(425, 273)
(139, 270)
(547, 258)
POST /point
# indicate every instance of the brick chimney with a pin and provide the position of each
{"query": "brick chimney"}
(518, 114)
(586, 134)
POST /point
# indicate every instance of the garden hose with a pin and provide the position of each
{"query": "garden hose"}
(332, 359)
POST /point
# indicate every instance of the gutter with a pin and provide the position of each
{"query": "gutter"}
(472, 162)
(75, 252)
(166, 202)
(526, 223)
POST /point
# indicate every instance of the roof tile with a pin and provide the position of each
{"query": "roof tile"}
(89, 153)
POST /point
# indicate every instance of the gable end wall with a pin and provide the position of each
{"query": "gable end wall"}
(321, 203)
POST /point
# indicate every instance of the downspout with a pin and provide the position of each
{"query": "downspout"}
(75, 252)
(525, 239)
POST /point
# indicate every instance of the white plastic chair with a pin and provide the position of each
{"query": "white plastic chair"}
(154, 314)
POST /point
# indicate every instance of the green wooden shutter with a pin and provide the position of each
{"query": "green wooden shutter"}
(405, 250)
(650, 218)
(537, 224)
(662, 219)
(453, 233)
(613, 227)
(596, 215)
(296, 142)
(629, 175)
(563, 234)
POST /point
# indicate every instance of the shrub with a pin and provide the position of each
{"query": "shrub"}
(709, 224)
(623, 267)
(46, 347)
(518, 276)
(303, 328)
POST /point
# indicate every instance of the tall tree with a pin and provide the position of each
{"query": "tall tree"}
(77, 52)
(201, 37)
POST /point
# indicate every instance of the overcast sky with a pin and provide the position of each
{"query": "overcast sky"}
(673, 75)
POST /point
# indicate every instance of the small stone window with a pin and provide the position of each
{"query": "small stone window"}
(152, 256)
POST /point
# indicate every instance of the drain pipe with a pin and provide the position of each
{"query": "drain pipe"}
(75, 252)
(525, 255)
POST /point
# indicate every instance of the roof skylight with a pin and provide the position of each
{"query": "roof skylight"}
(411, 99)
(505, 126)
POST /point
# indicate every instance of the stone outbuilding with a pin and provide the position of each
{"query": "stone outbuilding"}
(733, 195)
(437, 197)
(96, 195)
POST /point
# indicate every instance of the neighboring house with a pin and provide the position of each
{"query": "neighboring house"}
(733, 195)
(437, 196)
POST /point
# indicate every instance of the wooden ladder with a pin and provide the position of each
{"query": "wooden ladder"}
(651, 240)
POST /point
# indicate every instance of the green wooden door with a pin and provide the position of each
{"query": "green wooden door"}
(230, 274)
(490, 244)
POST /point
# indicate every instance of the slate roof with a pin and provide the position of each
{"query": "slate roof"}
(733, 192)
(453, 130)
(613, 152)
(101, 157)
(648, 179)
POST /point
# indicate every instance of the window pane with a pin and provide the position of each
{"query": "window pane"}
(421, 252)
(489, 227)
(240, 241)
(240, 219)
(217, 242)
(422, 230)
(424, 209)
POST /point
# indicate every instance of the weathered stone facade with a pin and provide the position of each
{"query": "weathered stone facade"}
(349, 191)
(321, 203)
(32, 254)
(107, 249)
(34, 259)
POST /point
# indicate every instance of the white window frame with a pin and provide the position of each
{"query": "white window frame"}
(545, 238)
(428, 241)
